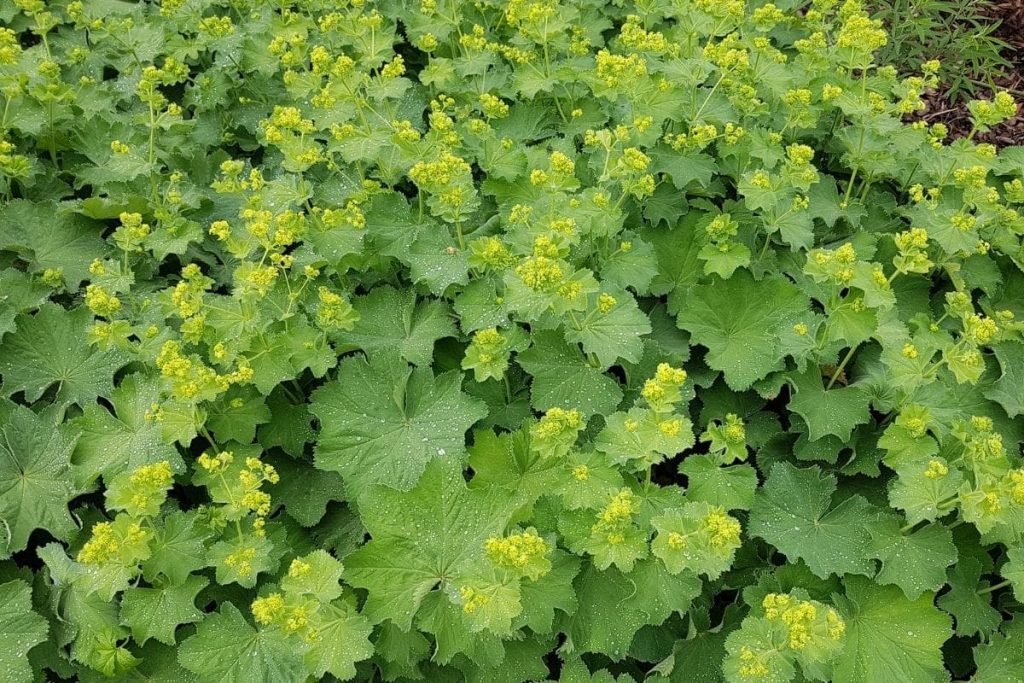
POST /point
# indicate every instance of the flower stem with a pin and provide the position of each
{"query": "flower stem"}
(994, 587)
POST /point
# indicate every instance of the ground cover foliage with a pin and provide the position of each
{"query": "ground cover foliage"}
(501, 341)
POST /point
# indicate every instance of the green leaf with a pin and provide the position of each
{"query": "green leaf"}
(665, 205)
(290, 426)
(739, 321)
(613, 606)
(158, 664)
(245, 575)
(888, 637)
(35, 479)
(436, 260)
(919, 496)
(699, 552)
(904, 446)
(21, 629)
(47, 235)
(915, 561)
(440, 617)
(281, 356)
(679, 267)
(226, 649)
(613, 334)
(479, 306)
(382, 421)
(723, 260)
(177, 548)
(122, 440)
(967, 601)
(730, 487)
(643, 442)
(304, 490)
(235, 416)
(18, 293)
(49, 348)
(634, 268)
(698, 659)
(553, 593)
(1008, 390)
(834, 412)
(421, 539)
(1013, 571)
(686, 167)
(761, 636)
(794, 512)
(157, 612)
(562, 378)
(506, 460)
(524, 661)
(391, 320)
(321, 580)
(1002, 659)
(343, 641)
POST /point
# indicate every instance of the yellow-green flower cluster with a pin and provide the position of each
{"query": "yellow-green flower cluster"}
(493, 107)
(187, 295)
(662, 391)
(295, 609)
(543, 271)
(216, 27)
(767, 16)
(216, 463)
(123, 541)
(723, 531)
(832, 265)
(634, 37)
(989, 113)
(720, 232)
(524, 553)
(53, 277)
(618, 70)
(979, 330)
(240, 561)
(728, 439)
(616, 518)
(861, 36)
(487, 355)
(936, 469)
(728, 54)
(490, 253)
(702, 135)
(983, 447)
(236, 485)
(172, 72)
(722, 10)
(286, 119)
(473, 599)
(101, 302)
(142, 492)
(334, 312)
(12, 165)
(753, 665)
(192, 380)
(130, 235)
(10, 48)
(913, 251)
(698, 537)
(555, 433)
(806, 622)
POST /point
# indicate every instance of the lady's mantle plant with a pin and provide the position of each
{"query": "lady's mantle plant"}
(501, 341)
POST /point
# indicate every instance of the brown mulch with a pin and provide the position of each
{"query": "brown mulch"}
(955, 115)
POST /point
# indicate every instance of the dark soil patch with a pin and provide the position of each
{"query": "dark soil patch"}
(1010, 14)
